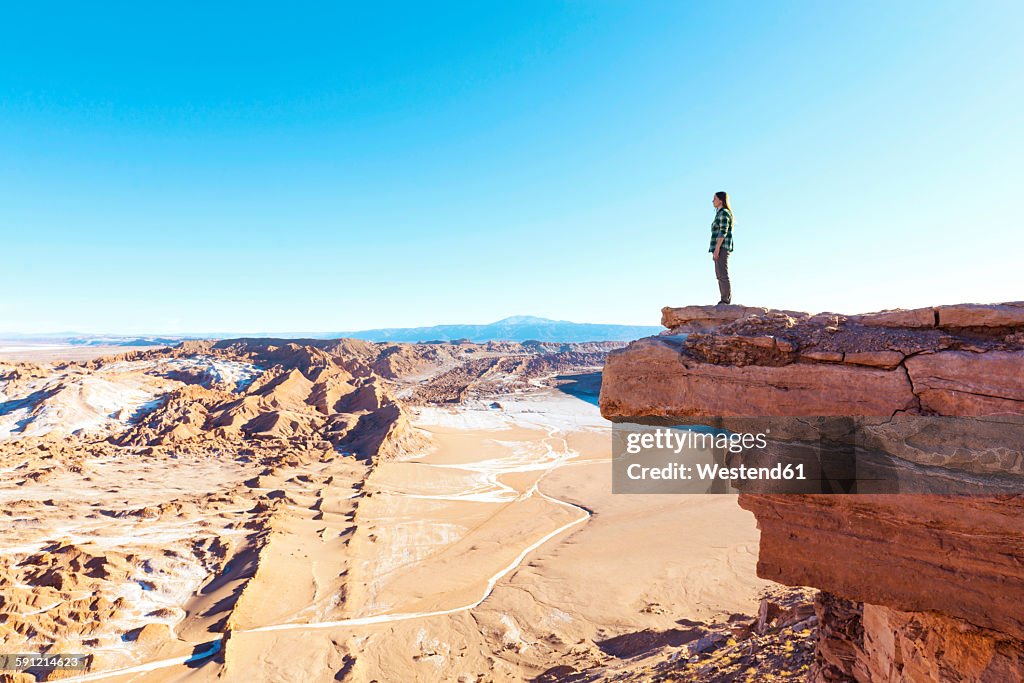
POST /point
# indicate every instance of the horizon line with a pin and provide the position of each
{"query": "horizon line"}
(332, 334)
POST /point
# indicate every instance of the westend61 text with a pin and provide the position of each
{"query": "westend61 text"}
(675, 441)
(710, 471)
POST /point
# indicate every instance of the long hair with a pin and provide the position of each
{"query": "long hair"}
(724, 196)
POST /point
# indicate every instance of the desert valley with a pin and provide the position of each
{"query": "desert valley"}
(343, 510)
(378, 343)
(319, 510)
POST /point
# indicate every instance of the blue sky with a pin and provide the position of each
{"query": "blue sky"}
(238, 168)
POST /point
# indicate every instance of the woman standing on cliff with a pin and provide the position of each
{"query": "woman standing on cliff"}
(721, 244)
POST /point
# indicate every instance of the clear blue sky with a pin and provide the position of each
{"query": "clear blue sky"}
(282, 167)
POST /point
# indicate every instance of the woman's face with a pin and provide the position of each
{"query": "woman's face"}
(716, 202)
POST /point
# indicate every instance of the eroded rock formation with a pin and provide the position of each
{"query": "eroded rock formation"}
(915, 587)
(156, 500)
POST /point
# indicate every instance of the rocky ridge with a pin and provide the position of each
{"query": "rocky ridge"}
(914, 587)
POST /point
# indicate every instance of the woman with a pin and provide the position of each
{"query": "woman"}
(721, 244)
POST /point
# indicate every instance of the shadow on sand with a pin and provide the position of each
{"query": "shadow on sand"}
(586, 387)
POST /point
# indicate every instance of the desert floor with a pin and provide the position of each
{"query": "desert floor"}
(496, 554)
(51, 353)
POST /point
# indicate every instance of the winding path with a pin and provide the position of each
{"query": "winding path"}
(491, 473)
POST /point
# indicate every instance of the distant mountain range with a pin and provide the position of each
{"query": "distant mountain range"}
(515, 328)
(77, 339)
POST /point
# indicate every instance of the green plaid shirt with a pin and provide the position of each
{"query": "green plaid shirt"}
(722, 227)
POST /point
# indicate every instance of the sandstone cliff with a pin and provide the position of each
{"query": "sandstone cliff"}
(915, 587)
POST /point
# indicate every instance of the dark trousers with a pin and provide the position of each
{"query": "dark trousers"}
(722, 273)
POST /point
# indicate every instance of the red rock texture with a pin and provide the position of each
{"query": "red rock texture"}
(765, 362)
(932, 647)
(705, 317)
(658, 376)
(957, 556)
(981, 315)
(969, 383)
(919, 587)
(865, 642)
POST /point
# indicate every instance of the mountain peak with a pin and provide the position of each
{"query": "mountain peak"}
(524, 320)
(513, 328)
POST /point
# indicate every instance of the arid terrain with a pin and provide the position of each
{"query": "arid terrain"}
(272, 510)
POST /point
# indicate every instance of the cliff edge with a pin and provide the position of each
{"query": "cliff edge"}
(914, 587)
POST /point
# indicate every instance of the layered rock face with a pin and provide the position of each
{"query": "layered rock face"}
(916, 587)
(767, 362)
